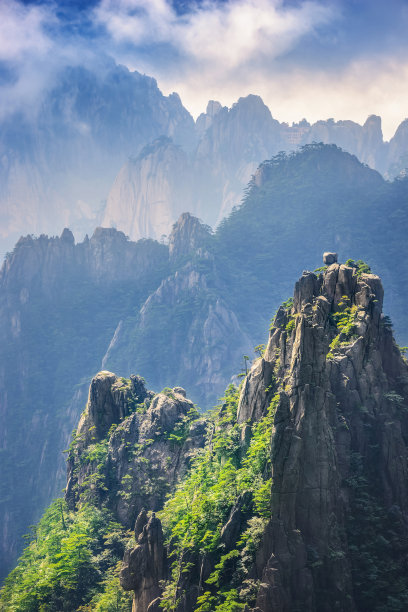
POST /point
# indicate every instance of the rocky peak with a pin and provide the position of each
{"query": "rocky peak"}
(343, 399)
(67, 236)
(187, 236)
(130, 434)
(205, 119)
(110, 400)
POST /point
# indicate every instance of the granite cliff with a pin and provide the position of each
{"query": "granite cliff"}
(334, 387)
(105, 146)
(291, 495)
(59, 160)
(149, 192)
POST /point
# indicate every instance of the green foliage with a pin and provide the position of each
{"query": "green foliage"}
(259, 350)
(70, 559)
(182, 427)
(169, 392)
(112, 598)
(288, 304)
(345, 322)
(194, 515)
(360, 266)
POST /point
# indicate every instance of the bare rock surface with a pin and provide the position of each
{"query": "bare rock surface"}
(343, 401)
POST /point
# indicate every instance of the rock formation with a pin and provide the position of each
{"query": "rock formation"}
(145, 566)
(336, 534)
(183, 314)
(135, 442)
(340, 436)
(291, 495)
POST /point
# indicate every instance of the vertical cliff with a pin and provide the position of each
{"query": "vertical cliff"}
(337, 534)
(303, 499)
(291, 495)
(300, 500)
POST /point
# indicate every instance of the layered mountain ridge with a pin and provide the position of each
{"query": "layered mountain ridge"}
(291, 494)
(149, 192)
(182, 314)
(96, 151)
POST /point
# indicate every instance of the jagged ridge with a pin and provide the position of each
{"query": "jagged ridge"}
(299, 498)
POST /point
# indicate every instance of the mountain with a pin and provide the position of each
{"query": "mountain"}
(60, 159)
(291, 494)
(184, 313)
(59, 305)
(104, 146)
(151, 190)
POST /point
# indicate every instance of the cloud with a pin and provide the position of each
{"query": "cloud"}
(306, 58)
(22, 30)
(225, 35)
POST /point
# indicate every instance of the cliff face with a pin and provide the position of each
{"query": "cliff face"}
(339, 449)
(334, 530)
(59, 303)
(131, 446)
(150, 192)
(292, 495)
(59, 161)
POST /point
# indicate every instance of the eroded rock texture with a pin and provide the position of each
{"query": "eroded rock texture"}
(145, 565)
(339, 453)
(131, 446)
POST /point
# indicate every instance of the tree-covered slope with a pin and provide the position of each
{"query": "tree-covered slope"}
(297, 206)
(183, 314)
(291, 494)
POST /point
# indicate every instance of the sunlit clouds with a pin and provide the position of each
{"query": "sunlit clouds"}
(314, 59)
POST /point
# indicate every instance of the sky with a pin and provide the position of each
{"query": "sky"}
(313, 59)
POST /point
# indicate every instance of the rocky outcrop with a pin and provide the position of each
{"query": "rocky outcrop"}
(131, 445)
(188, 236)
(108, 256)
(341, 424)
(145, 566)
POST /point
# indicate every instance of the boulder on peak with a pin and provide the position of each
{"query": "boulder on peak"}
(329, 258)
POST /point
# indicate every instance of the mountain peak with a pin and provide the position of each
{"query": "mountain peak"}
(188, 234)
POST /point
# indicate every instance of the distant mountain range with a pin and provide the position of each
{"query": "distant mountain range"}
(181, 313)
(107, 148)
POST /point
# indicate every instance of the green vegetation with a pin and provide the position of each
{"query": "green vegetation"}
(344, 320)
(71, 560)
(360, 266)
(182, 427)
(376, 548)
(194, 515)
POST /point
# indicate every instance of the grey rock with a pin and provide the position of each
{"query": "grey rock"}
(145, 566)
(319, 426)
(329, 258)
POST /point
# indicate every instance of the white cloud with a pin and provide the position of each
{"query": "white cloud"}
(227, 50)
(227, 35)
(364, 87)
(217, 50)
(22, 30)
